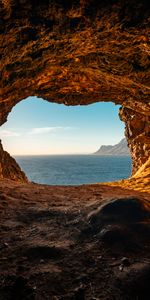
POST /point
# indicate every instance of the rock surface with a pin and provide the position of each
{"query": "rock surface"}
(137, 132)
(80, 242)
(119, 149)
(79, 52)
(9, 168)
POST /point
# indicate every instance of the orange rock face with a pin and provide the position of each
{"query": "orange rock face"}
(9, 168)
(137, 132)
(79, 52)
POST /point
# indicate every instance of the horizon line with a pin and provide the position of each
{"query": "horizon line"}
(48, 154)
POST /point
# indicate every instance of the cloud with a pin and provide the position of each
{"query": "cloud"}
(8, 133)
(40, 130)
(37, 130)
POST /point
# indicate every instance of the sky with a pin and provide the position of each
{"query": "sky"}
(37, 127)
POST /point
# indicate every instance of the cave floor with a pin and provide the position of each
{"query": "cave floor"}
(49, 250)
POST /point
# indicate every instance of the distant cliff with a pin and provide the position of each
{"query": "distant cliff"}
(119, 149)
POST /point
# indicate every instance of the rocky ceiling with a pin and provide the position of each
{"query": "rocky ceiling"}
(79, 52)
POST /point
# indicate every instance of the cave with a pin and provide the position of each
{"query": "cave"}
(65, 57)
(77, 52)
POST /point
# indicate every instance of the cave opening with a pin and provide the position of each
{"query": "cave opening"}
(58, 144)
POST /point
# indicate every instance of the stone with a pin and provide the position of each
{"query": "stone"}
(122, 210)
(121, 222)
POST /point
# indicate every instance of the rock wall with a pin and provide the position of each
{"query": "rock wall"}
(79, 52)
(137, 131)
(9, 168)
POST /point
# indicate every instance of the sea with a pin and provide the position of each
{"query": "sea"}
(74, 169)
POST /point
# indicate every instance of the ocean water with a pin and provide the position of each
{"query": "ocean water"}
(74, 169)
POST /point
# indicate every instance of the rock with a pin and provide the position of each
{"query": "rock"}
(114, 234)
(137, 132)
(121, 222)
(119, 211)
(9, 168)
(40, 57)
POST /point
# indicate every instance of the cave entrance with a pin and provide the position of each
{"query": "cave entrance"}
(56, 144)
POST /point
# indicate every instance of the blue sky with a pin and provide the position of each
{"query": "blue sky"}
(38, 127)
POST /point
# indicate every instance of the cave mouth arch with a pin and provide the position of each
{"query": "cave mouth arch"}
(54, 144)
(80, 52)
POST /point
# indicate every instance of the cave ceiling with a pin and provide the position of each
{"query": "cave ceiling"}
(77, 53)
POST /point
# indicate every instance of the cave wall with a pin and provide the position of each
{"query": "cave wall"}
(137, 132)
(9, 168)
(79, 52)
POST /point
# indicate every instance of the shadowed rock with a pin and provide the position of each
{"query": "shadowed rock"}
(123, 221)
(121, 211)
